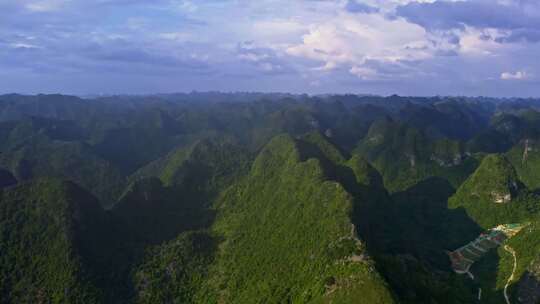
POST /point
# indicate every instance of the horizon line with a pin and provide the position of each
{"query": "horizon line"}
(310, 95)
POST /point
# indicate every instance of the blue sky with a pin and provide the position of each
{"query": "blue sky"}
(407, 47)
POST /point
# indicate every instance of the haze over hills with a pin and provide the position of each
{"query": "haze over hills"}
(266, 198)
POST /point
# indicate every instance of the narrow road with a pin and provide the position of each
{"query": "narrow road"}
(479, 294)
(511, 278)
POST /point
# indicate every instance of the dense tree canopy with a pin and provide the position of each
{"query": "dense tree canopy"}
(265, 198)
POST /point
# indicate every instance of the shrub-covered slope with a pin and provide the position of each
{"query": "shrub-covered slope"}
(284, 233)
(494, 195)
(201, 222)
(176, 271)
(288, 236)
(207, 165)
(405, 155)
(174, 193)
(525, 157)
(46, 228)
(34, 148)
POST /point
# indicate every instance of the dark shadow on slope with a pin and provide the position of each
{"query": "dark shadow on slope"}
(148, 217)
(416, 221)
(332, 170)
(486, 271)
(528, 289)
(409, 234)
(153, 213)
(156, 218)
(421, 214)
(6, 179)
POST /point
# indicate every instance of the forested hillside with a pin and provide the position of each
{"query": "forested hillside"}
(268, 198)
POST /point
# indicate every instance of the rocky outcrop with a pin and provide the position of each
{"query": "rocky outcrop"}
(525, 152)
(501, 198)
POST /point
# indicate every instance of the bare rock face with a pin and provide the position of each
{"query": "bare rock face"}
(412, 160)
(328, 133)
(501, 198)
(314, 123)
(525, 152)
(529, 286)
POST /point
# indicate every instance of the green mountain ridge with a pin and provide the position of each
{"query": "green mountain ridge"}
(327, 264)
(46, 228)
(266, 198)
(315, 255)
(494, 195)
(405, 155)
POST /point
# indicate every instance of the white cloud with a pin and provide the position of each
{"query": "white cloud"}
(45, 5)
(471, 42)
(177, 36)
(317, 43)
(20, 45)
(136, 23)
(268, 67)
(519, 75)
(279, 27)
(348, 41)
(186, 6)
(363, 73)
(253, 57)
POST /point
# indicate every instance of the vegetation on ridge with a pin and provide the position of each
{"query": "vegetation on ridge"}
(274, 198)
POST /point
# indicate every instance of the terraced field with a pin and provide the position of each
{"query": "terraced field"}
(464, 257)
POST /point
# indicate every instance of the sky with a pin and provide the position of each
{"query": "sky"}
(384, 47)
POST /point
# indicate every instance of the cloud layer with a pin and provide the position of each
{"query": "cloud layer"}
(428, 47)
